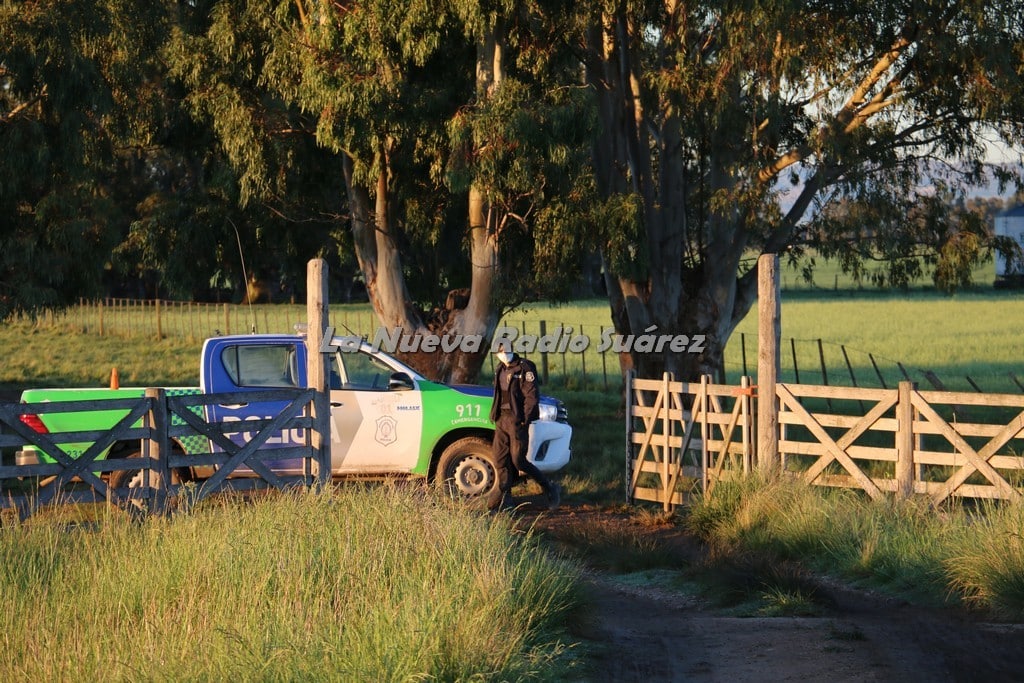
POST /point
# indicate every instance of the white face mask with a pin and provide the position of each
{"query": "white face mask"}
(505, 357)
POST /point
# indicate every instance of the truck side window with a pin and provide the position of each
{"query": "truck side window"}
(365, 372)
(335, 376)
(261, 366)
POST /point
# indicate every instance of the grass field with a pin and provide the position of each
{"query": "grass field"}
(360, 584)
(976, 334)
(863, 337)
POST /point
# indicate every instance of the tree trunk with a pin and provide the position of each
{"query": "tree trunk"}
(480, 316)
(469, 315)
(690, 287)
(376, 252)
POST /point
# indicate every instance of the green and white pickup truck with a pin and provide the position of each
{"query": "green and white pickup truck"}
(385, 417)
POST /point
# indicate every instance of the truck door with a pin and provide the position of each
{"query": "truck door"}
(242, 365)
(376, 425)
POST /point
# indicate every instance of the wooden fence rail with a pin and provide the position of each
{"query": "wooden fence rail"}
(156, 421)
(684, 437)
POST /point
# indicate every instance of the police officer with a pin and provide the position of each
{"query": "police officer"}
(515, 406)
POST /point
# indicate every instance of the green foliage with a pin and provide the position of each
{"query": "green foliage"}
(525, 149)
(620, 226)
(138, 136)
(743, 127)
(905, 234)
(58, 137)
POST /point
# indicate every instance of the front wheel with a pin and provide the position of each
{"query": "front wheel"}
(466, 469)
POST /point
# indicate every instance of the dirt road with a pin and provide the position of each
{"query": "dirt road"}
(642, 631)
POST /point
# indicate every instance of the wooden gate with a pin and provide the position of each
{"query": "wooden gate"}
(682, 436)
(157, 420)
(686, 436)
(233, 455)
(904, 441)
(51, 482)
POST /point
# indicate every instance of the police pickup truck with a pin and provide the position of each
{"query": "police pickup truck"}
(385, 417)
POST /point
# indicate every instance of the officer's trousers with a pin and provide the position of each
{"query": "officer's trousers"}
(510, 447)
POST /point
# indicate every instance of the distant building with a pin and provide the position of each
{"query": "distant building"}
(1010, 223)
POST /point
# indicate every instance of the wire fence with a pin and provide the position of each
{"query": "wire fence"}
(575, 356)
(816, 361)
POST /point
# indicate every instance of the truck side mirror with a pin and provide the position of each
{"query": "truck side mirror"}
(400, 381)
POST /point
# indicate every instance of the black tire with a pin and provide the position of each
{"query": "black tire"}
(466, 469)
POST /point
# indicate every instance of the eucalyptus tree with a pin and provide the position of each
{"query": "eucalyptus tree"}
(67, 71)
(457, 151)
(106, 181)
(731, 129)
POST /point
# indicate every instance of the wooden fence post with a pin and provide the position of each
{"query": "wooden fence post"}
(743, 352)
(705, 433)
(583, 361)
(824, 370)
(604, 370)
(629, 436)
(769, 333)
(849, 368)
(666, 433)
(745, 414)
(877, 371)
(904, 441)
(796, 365)
(318, 366)
(157, 475)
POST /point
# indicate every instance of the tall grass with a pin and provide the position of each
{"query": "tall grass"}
(954, 556)
(381, 584)
(987, 566)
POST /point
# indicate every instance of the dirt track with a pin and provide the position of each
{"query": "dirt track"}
(646, 633)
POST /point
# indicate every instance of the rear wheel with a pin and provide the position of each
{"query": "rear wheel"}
(466, 469)
(135, 479)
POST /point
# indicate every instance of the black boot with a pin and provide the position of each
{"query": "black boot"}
(554, 495)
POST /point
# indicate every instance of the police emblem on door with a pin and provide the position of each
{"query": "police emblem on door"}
(387, 430)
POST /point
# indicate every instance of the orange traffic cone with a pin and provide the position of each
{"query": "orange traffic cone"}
(115, 381)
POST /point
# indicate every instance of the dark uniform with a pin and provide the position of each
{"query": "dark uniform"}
(516, 405)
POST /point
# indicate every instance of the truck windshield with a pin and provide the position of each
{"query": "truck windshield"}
(362, 371)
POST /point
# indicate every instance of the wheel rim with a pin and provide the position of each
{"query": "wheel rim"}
(471, 476)
(137, 480)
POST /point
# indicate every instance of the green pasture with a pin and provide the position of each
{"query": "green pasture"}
(974, 335)
(861, 337)
(864, 338)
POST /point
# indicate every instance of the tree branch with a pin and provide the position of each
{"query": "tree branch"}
(13, 113)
